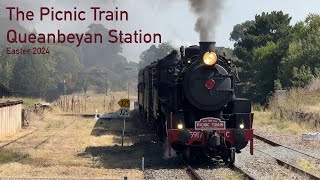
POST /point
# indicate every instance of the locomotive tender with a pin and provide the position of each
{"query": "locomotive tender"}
(189, 98)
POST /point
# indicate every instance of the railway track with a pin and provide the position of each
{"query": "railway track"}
(284, 163)
(13, 141)
(37, 145)
(275, 144)
(196, 176)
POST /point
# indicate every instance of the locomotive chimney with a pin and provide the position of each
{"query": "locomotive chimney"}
(206, 46)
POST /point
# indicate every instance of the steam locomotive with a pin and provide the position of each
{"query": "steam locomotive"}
(189, 98)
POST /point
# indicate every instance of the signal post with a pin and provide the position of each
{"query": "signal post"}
(125, 113)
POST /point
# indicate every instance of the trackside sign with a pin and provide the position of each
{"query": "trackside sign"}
(311, 137)
(210, 124)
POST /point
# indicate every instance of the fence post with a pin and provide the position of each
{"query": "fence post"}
(23, 117)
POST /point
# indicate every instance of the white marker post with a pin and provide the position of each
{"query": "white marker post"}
(142, 163)
(124, 127)
(124, 112)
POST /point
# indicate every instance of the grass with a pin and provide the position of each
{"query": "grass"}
(59, 156)
(309, 166)
(298, 112)
(305, 165)
(7, 156)
(264, 119)
(282, 125)
(55, 124)
(90, 103)
(296, 100)
(230, 176)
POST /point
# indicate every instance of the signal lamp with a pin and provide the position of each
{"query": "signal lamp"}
(210, 58)
(241, 126)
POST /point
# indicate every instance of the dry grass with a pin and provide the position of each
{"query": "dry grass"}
(300, 107)
(309, 166)
(90, 103)
(60, 155)
(297, 100)
(264, 120)
(229, 175)
(7, 156)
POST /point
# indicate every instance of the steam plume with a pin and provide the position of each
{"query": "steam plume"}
(208, 13)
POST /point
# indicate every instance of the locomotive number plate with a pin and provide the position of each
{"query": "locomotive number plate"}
(210, 124)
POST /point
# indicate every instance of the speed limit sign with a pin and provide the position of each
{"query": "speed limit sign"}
(124, 112)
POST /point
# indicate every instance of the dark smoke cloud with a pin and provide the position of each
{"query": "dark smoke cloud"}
(208, 14)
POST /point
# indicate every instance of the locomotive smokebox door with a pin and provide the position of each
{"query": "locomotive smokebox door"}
(207, 96)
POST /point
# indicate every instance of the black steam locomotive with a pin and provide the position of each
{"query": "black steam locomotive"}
(189, 98)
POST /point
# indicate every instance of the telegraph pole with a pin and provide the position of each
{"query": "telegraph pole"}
(128, 87)
(106, 84)
(101, 76)
(127, 70)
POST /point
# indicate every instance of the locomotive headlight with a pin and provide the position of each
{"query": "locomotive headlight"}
(210, 58)
(180, 126)
(241, 126)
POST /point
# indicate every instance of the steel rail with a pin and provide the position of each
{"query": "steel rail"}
(246, 174)
(13, 141)
(291, 167)
(192, 173)
(272, 143)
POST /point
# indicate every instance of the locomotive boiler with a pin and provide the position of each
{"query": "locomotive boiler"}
(189, 99)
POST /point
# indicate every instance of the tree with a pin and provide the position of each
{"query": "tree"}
(239, 29)
(257, 42)
(7, 62)
(301, 76)
(227, 52)
(67, 66)
(32, 73)
(154, 53)
(106, 58)
(304, 50)
(266, 62)
(101, 54)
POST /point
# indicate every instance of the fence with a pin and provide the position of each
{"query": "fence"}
(10, 118)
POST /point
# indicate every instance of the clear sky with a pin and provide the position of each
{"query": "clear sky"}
(172, 18)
